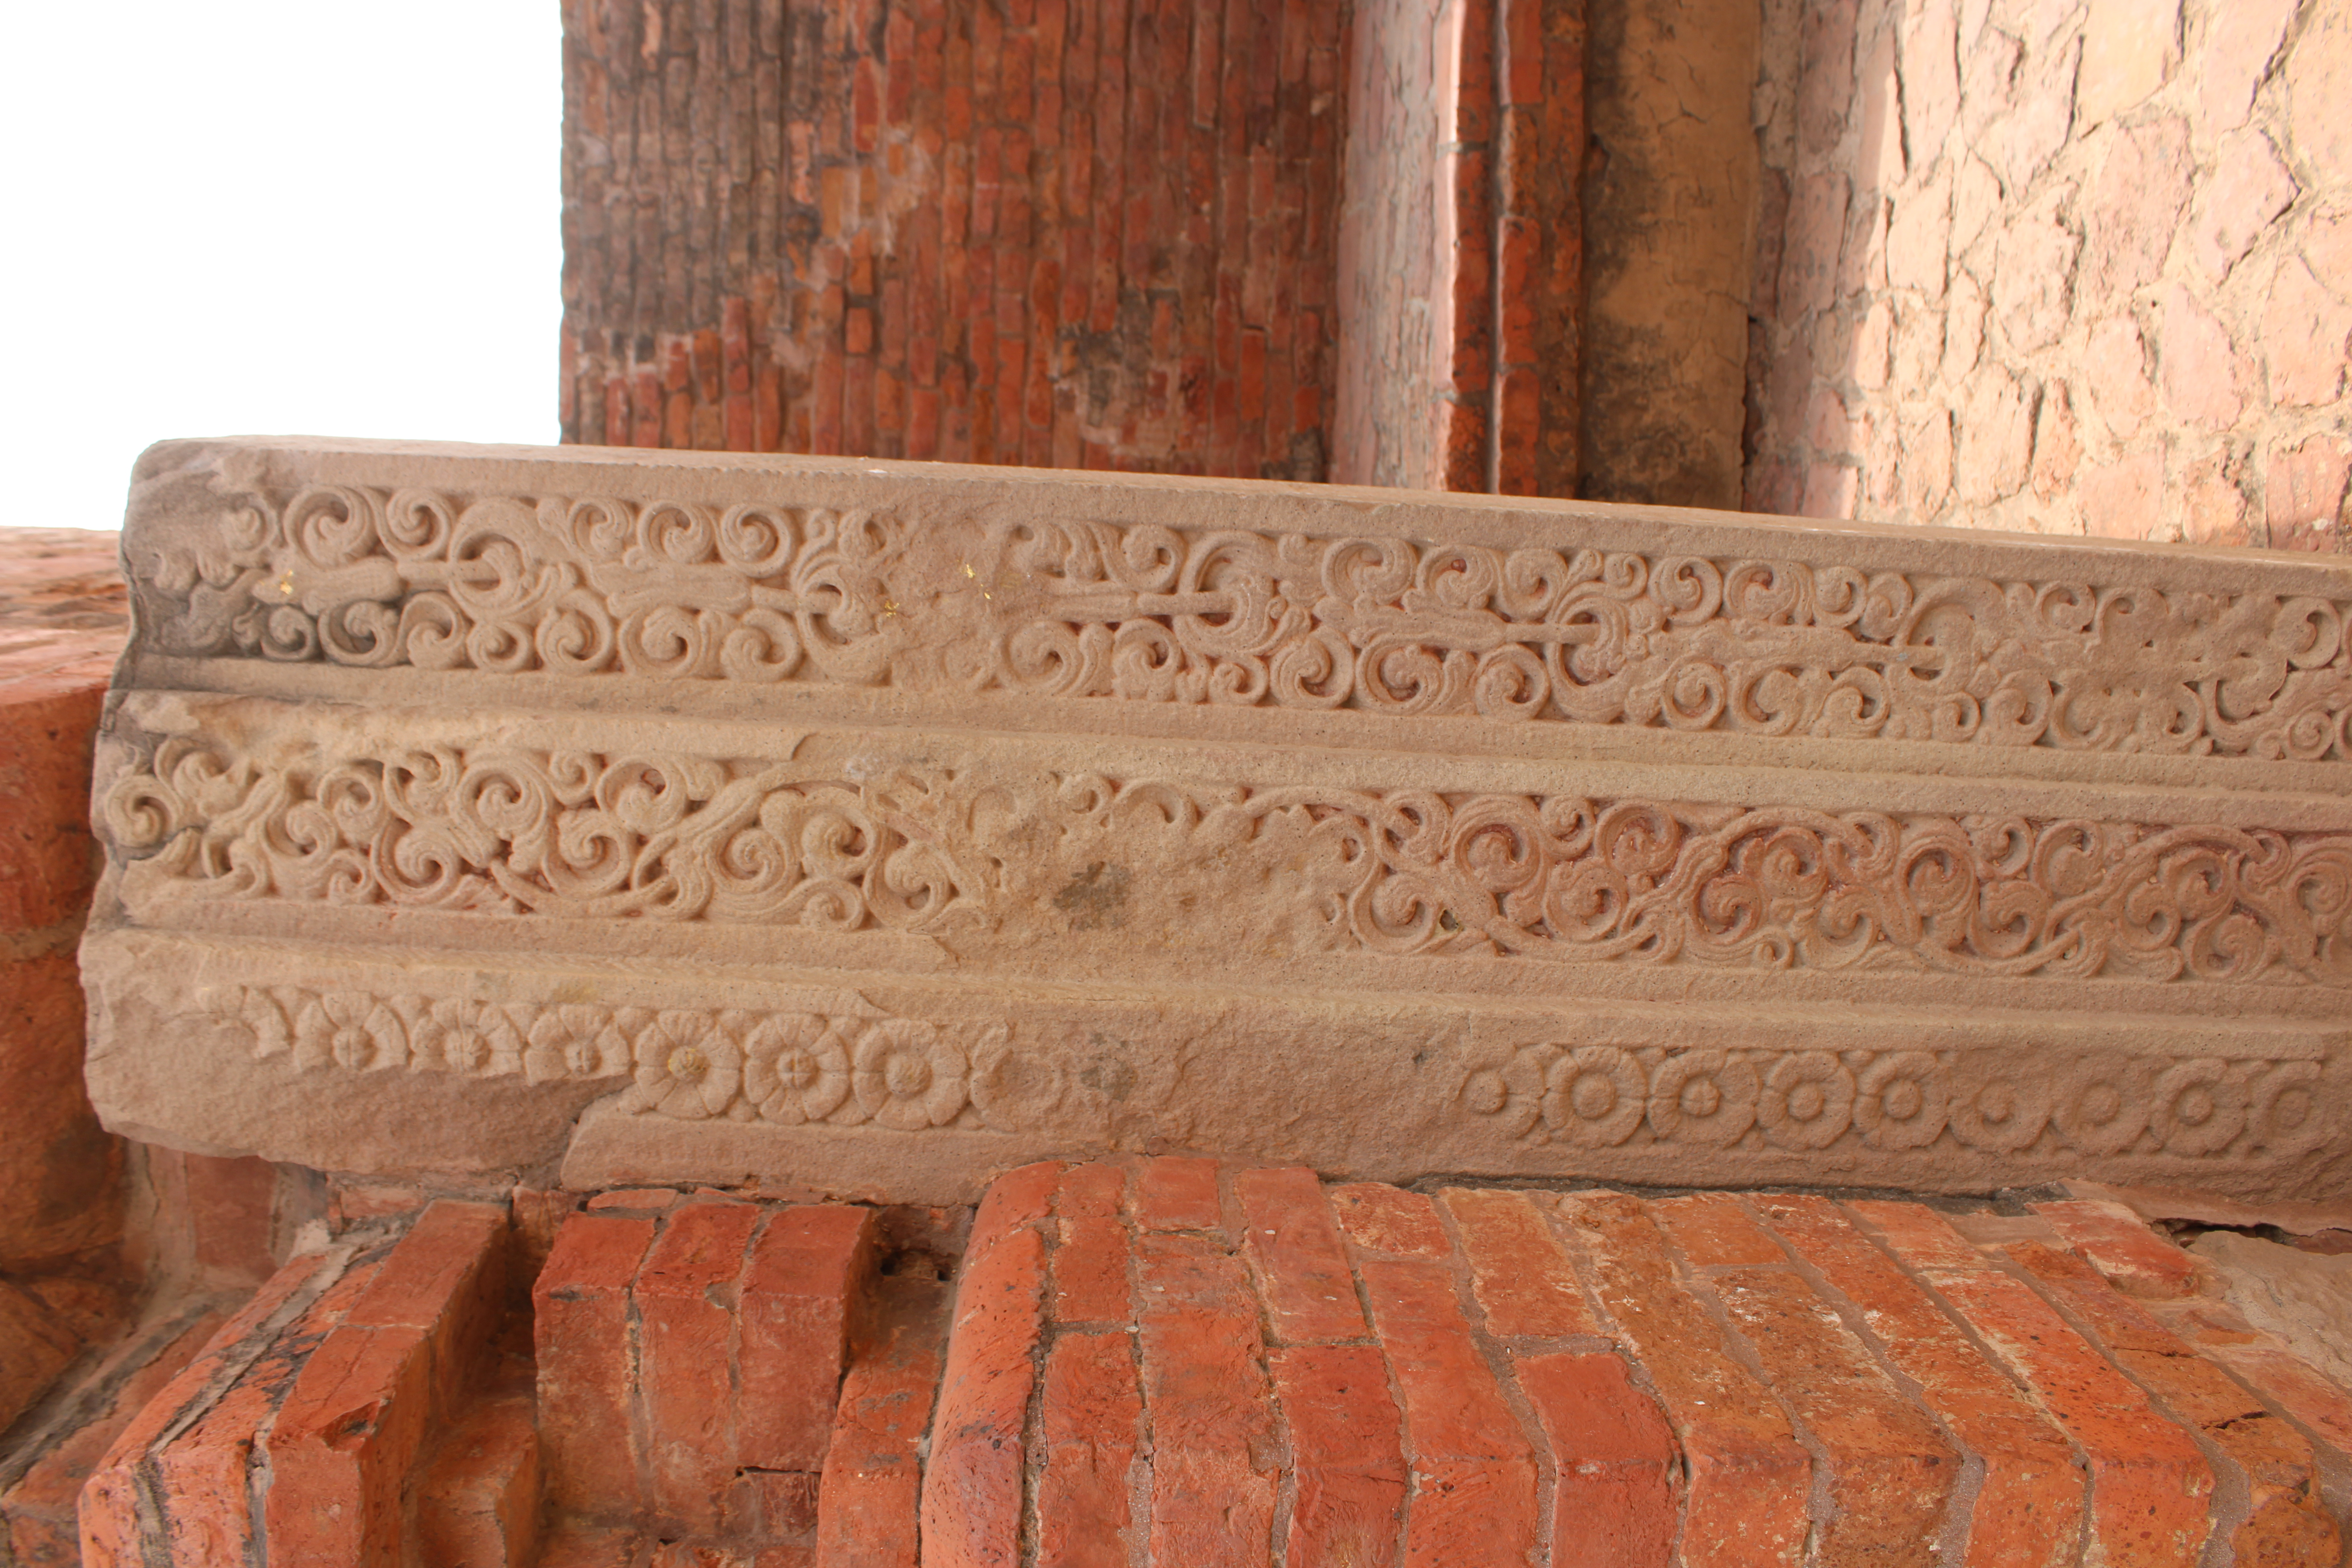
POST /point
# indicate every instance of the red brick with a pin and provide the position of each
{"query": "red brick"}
(1472, 1468)
(1092, 1411)
(1347, 1469)
(108, 1506)
(343, 1445)
(40, 1509)
(1301, 1266)
(1748, 1479)
(1890, 1474)
(1384, 1219)
(479, 1502)
(686, 1297)
(1519, 1274)
(2029, 1503)
(2149, 1483)
(1920, 1236)
(2313, 1401)
(805, 1273)
(1213, 1476)
(871, 1494)
(572, 1545)
(48, 719)
(1174, 1193)
(60, 1168)
(447, 1279)
(1616, 1496)
(1015, 1200)
(33, 1348)
(2286, 1522)
(2118, 1244)
(587, 1363)
(973, 1486)
(1715, 1231)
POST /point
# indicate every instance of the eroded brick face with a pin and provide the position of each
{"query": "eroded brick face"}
(1069, 233)
(1093, 233)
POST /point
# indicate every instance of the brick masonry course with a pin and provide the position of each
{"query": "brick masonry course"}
(1214, 1363)
(1365, 1373)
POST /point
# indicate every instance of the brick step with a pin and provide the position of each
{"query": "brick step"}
(727, 1382)
(293, 1435)
(1241, 1366)
(1200, 1364)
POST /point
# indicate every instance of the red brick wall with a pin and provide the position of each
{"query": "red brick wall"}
(1460, 246)
(1086, 233)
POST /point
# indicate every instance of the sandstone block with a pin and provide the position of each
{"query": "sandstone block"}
(2318, 73)
(2130, 48)
(2249, 187)
(872, 829)
(2132, 210)
(2236, 60)
(2307, 337)
(2199, 366)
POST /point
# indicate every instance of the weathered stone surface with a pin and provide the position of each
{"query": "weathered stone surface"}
(2302, 1299)
(875, 828)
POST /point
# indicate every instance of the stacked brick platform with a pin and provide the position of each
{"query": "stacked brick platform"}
(1173, 1361)
(1247, 1366)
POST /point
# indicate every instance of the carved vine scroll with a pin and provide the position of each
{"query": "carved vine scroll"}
(681, 590)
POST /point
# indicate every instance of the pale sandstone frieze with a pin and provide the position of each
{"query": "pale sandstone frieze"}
(1026, 601)
(988, 854)
(880, 826)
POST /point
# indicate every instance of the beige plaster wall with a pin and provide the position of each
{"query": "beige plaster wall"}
(2065, 265)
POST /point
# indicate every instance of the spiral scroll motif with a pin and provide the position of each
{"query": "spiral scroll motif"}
(676, 590)
(671, 836)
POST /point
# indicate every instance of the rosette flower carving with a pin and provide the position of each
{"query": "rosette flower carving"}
(687, 1065)
(909, 1074)
(350, 1030)
(796, 1066)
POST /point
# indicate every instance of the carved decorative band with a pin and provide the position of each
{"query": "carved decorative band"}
(2093, 1103)
(583, 586)
(691, 1064)
(989, 852)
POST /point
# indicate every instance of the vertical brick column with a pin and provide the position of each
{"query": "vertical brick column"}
(61, 621)
(690, 1362)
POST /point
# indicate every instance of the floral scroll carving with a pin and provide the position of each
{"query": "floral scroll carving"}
(691, 1064)
(2088, 1102)
(679, 590)
(990, 851)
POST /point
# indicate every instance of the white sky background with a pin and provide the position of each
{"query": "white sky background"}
(273, 217)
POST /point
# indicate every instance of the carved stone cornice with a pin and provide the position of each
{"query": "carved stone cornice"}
(1538, 839)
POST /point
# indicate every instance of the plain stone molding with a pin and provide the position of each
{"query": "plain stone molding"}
(875, 826)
